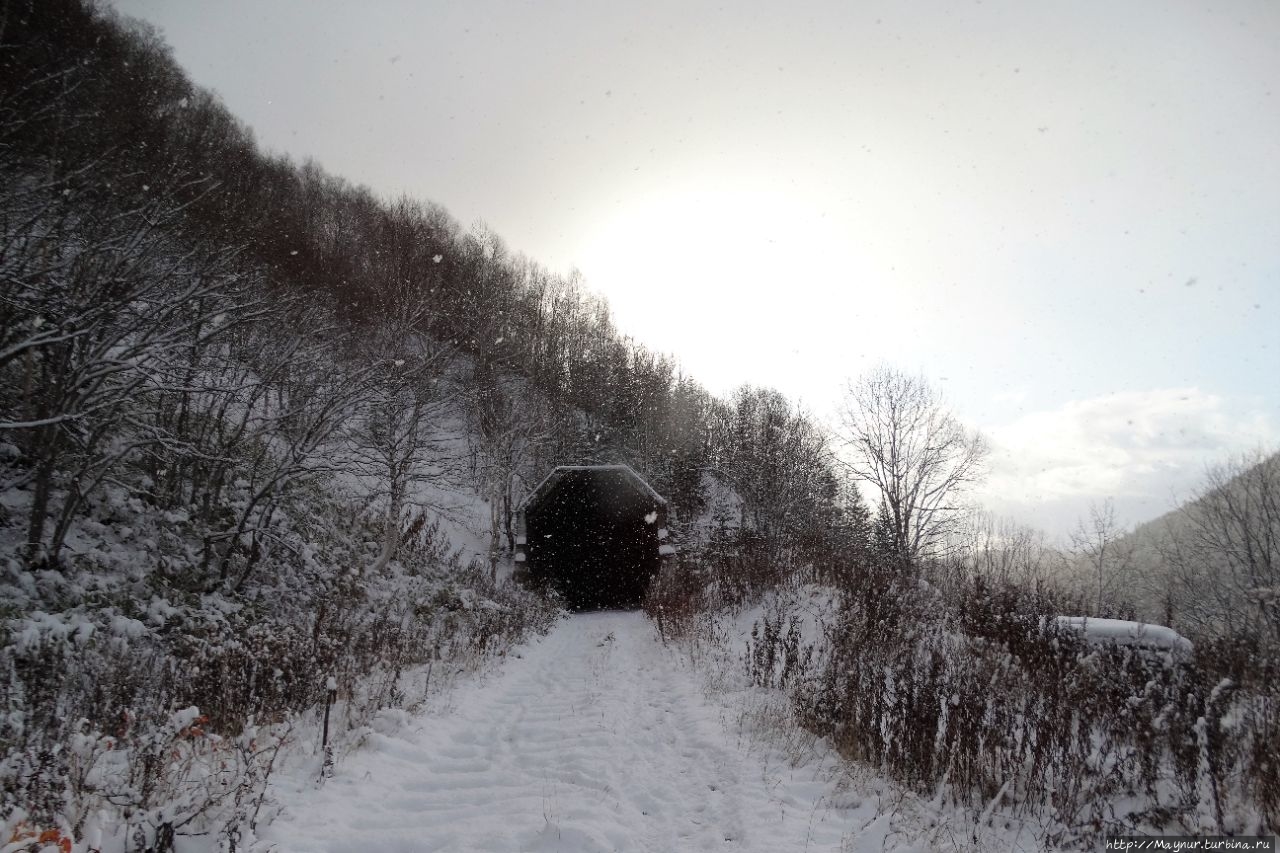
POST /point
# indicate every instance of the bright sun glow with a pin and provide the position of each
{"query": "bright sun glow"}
(679, 265)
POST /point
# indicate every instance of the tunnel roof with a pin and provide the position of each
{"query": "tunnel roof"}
(623, 473)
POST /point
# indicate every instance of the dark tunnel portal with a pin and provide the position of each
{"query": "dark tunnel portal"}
(594, 538)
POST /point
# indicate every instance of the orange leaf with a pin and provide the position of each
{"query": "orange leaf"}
(22, 832)
(53, 836)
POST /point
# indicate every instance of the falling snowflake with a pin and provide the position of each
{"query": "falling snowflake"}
(437, 259)
(651, 517)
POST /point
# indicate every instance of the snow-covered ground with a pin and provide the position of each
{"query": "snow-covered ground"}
(594, 738)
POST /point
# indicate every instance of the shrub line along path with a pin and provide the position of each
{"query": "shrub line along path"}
(596, 738)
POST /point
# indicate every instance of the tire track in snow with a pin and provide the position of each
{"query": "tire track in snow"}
(595, 740)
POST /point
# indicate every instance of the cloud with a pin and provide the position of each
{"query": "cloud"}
(1139, 447)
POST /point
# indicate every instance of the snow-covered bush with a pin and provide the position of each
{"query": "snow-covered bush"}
(777, 654)
(100, 732)
(990, 702)
(676, 598)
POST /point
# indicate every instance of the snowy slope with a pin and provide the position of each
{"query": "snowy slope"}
(595, 739)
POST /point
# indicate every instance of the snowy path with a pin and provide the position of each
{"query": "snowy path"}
(595, 740)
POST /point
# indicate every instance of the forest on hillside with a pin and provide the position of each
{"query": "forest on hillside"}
(262, 439)
(245, 410)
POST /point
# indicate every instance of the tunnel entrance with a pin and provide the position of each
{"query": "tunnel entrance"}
(595, 534)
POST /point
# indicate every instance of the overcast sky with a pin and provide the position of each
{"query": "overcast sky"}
(1066, 215)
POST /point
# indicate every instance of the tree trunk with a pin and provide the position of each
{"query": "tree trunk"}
(495, 536)
(508, 517)
(391, 531)
(39, 511)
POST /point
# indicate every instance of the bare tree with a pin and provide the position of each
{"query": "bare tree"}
(396, 444)
(1006, 551)
(912, 450)
(1101, 544)
(508, 427)
(292, 435)
(100, 301)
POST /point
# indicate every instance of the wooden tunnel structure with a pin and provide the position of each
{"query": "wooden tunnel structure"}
(595, 533)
